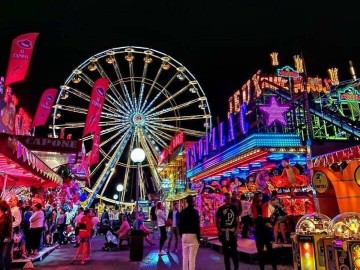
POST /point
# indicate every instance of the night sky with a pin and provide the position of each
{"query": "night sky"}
(221, 42)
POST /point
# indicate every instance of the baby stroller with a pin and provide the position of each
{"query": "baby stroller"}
(111, 241)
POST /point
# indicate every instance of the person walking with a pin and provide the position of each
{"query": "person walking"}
(6, 235)
(228, 224)
(60, 225)
(85, 229)
(189, 229)
(174, 216)
(153, 218)
(161, 222)
(245, 216)
(36, 228)
(279, 218)
(261, 211)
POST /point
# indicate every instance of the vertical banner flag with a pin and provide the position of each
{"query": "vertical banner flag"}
(20, 56)
(44, 107)
(94, 155)
(95, 106)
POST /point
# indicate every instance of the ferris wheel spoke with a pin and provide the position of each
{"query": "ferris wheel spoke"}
(163, 89)
(179, 106)
(122, 85)
(151, 160)
(69, 125)
(151, 88)
(72, 109)
(128, 162)
(156, 133)
(172, 128)
(86, 79)
(168, 99)
(111, 85)
(78, 93)
(132, 85)
(120, 145)
(142, 86)
(117, 134)
(110, 99)
(107, 182)
(153, 146)
(180, 118)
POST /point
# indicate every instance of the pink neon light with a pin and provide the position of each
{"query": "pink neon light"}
(274, 112)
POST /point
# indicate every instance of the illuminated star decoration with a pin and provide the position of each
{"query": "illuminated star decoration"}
(274, 112)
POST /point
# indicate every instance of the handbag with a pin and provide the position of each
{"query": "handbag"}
(168, 222)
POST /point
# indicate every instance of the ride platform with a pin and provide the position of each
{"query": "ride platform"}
(27, 263)
(248, 253)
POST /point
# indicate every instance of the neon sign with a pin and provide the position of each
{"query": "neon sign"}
(349, 94)
(274, 112)
(288, 71)
(259, 83)
(175, 142)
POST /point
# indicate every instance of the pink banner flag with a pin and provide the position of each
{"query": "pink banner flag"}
(96, 104)
(44, 107)
(94, 155)
(20, 56)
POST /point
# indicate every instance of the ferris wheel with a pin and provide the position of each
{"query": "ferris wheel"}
(151, 97)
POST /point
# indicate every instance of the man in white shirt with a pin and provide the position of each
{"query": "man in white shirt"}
(17, 217)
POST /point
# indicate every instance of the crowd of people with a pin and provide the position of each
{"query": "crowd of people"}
(25, 229)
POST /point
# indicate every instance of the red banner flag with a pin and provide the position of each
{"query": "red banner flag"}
(96, 104)
(20, 56)
(44, 107)
(94, 155)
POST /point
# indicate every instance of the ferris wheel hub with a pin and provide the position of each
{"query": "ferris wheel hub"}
(138, 119)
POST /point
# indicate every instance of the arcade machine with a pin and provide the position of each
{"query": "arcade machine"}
(343, 249)
(308, 242)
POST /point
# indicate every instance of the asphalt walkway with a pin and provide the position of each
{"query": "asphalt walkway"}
(60, 259)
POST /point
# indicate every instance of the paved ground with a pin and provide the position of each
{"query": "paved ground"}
(207, 258)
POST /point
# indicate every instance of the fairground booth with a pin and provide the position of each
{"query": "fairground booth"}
(172, 169)
(274, 120)
(52, 169)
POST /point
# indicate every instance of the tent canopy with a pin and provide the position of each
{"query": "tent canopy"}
(22, 167)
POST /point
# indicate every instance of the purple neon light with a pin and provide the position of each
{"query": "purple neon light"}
(231, 128)
(201, 148)
(206, 147)
(274, 112)
(222, 137)
(213, 139)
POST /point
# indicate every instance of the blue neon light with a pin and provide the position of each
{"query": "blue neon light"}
(251, 142)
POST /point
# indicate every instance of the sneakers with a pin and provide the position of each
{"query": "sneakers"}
(161, 253)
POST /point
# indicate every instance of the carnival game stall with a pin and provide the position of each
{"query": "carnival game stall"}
(343, 249)
(308, 242)
(336, 180)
